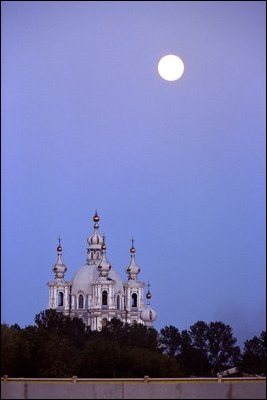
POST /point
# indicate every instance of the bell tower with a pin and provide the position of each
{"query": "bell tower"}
(59, 289)
(133, 291)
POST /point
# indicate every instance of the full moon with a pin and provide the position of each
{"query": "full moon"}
(171, 67)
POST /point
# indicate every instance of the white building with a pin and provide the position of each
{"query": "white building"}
(96, 292)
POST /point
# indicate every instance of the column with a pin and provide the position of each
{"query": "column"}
(66, 298)
(109, 296)
(55, 296)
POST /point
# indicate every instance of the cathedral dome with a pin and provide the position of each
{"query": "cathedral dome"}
(87, 274)
(148, 314)
(83, 279)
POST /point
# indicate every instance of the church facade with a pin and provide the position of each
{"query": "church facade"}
(96, 293)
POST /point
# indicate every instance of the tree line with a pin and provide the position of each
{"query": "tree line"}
(58, 346)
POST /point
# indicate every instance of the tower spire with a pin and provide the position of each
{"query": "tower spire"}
(59, 267)
(133, 269)
(104, 266)
(95, 241)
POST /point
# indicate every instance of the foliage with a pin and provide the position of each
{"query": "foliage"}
(9, 348)
(53, 322)
(192, 360)
(170, 340)
(254, 356)
(215, 341)
(60, 346)
(204, 350)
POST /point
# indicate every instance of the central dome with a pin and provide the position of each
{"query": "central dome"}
(87, 274)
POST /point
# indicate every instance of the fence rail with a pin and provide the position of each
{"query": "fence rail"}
(145, 379)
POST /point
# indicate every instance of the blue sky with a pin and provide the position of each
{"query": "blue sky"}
(87, 122)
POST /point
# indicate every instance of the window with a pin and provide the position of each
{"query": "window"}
(97, 255)
(92, 255)
(81, 301)
(104, 298)
(118, 302)
(134, 300)
(60, 299)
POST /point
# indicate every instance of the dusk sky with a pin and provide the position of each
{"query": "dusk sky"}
(88, 123)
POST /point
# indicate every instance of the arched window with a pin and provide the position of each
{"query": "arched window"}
(104, 298)
(92, 255)
(118, 302)
(60, 299)
(97, 255)
(134, 300)
(80, 301)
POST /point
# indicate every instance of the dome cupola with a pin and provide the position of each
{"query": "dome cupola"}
(95, 241)
(59, 268)
(148, 315)
(95, 238)
(104, 266)
(133, 269)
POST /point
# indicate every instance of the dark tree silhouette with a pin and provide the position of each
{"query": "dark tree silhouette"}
(60, 346)
(170, 340)
(254, 355)
(215, 340)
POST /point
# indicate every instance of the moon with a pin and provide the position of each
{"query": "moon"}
(171, 67)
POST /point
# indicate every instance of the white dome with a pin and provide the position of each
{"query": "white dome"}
(148, 314)
(87, 274)
(84, 278)
(133, 269)
(95, 238)
(59, 268)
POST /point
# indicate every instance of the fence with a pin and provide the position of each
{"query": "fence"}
(135, 388)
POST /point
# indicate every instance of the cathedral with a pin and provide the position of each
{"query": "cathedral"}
(96, 293)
